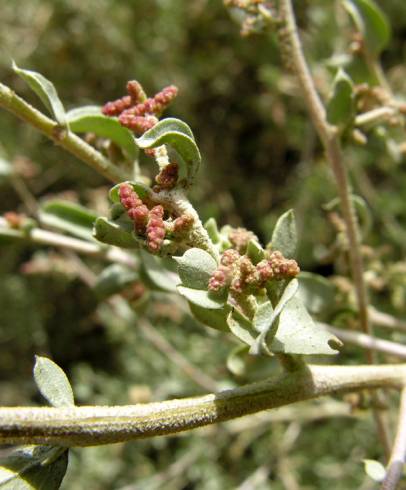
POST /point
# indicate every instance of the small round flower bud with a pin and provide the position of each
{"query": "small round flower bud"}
(239, 237)
(183, 223)
(229, 257)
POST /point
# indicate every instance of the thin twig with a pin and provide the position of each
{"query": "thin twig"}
(385, 320)
(331, 142)
(68, 140)
(368, 342)
(45, 237)
(90, 426)
(398, 456)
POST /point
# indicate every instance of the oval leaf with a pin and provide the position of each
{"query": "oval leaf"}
(179, 137)
(235, 360)
(89, 119)
(284, 236)
(201, 298)
(195, 268)
(68, 217)
(34, 468)
(255, 252)
(297, 333)
(158, 275)
(240, 327)
(317, 293)
(111, 233)
(45, 91)
(341, 105)
(372, 23)
(113, 279)
(53, 383)
(211, 318)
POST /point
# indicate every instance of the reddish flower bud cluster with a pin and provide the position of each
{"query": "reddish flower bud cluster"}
(240, 237)
(155, 229)
(116, 107)
(276, 266)
(135, 96)
(220, 278)
(223, 275)
(138, 124)
(136, 209)
(167, 177)
(242, 276)
(135, 111)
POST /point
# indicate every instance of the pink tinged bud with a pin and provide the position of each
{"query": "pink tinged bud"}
(229, 257)
(135, 91)
(116, 107)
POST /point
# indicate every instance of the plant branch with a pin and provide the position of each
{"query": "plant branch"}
(45, 237)
(398, 455)
(330, 139)
(68, 140)
(385, 320)
(331, 142)
(367, 342)
(89, 426)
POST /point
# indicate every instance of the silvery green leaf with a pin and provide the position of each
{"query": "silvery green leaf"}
(284, 236)
(263, 316)
(179, 139)
(69, 217)
(45, 91)
(195, 268)
(89, 119)
(235, 360)
(212, 230)
(212, 318)
(202, 298)
(34, 468)
(255, 252)
(53, 383)
(114, 279)
(241, 327)
(112, 233)
(317, 293)
(371, 22)
(298, 334)
(341, 104)
(158, 275)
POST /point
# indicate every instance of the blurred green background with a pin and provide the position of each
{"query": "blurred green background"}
(261, 157)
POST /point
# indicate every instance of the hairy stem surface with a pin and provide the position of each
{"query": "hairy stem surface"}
(89, 426)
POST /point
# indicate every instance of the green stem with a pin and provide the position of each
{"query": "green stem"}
(90, 426)
(68, 140)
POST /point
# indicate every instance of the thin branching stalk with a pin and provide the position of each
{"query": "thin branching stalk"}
(331, 142)
(368, 342)
(89, 426)
(49, 238)
(68, 140)
(398, 456)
